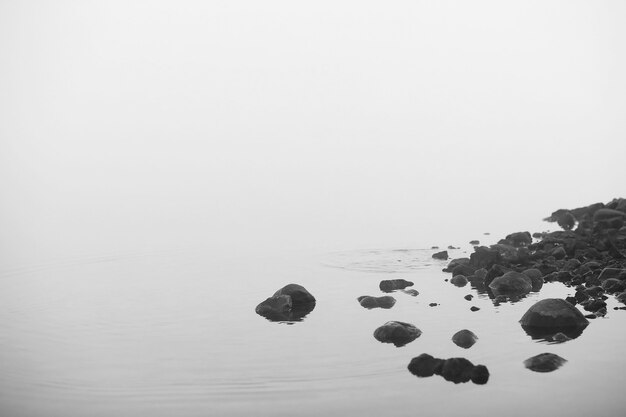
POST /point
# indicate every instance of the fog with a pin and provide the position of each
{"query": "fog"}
(144, 125)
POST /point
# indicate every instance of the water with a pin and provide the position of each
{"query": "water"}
(165, 167)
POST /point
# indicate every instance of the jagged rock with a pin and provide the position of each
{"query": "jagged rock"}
(545, 362)
(369, 302)
(511, 283)
(464, 338)
(290, 303)
(390, 285)
(397, 332)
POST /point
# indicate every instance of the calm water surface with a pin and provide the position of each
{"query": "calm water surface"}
(175, 332)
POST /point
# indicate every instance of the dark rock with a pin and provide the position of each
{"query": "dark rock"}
(425, 365)
(613, 285)
(369, 302)
(564, 218)
(545, 362)
(511, 283)
(553, 315)
(560, 338)
(464, 338)
(457, 370)
(558, 252)
(452, 247)
(390, 285)
(411, 292)
(517, 239)
(571, 264)
(606, 214)
(434, 247)
(480, 375)
(536, 278)
(474, 308)
(433, 305)
(456, 262)
(594, 304)
(443, 255)
(610, 273)
(621, 297)
(484, 257)
(397, 332)
(469, 297)
(494, 272)
(459, 280)
(290, 303)
(466, 270)
(571, 300)
(474, 242)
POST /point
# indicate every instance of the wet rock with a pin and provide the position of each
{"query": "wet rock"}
(459, 280)
(411, 292)
(464, 338)
(536, 278)
(494, 272)
(484, 257)
(425, 365)
(560, 338)
(369, 302)
(397, 332)
(610, 273)
(456, 262)
(558, 252)
(613, 285)
(474, 308)
(469, 297)
(517, 239)
(474, 242)
(433, 305)
(621, 297)
(290, 303)
(455, 370)
(594, 304)
(390, 285)
(443, 255)
(545, 362)
(553, 315)
(466, 270)
(511, 283)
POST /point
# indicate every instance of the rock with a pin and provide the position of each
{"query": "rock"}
(456, 262)
(474, 242)
(466, 270)
(443, 255)
(397, 332)
(517, 239)
(610, 273)
(621, 297)
(511, 283)
(545, 362)
(474, 308)
(456, 370)
(464, 338)
(484, 257)
(390, 285)
(469, 297)
(560, 338)
(425, 365)
(452, 247)
(411, 292)
(564, 218)
(606, 214)
(459, 280)
(290, 303)
(433, 305)
(553, 315)
(536, 278)
(613, 285)
(559, 252)
(369, 302)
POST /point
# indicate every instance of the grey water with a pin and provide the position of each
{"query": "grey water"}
(166, 166)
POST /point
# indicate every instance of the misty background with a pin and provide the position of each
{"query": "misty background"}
(315, 126)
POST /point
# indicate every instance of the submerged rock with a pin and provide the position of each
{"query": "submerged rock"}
(545, 362)
(397, 332)
(464, 338)
(390, 285)
(369, 302)
(290, 303)
(455, 370)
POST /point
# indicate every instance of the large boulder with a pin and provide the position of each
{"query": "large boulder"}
(511, 283)
(547, 317)
(389, 285)
(544, 362)
(290, 303)
(369, 302)
(464, 338)
(397, 332)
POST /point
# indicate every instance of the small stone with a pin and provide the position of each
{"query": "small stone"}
(464, 338)
(545, 362)
(411, 292)
(474, 242)
(433, 304)
(389, 285)
(469, 297)
(397, 332)
(376, 302)
(474, 308)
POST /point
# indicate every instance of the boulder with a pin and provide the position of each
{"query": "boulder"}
(545, 362)
(290, 303)
(464, 338)
(425, 365)
(456, 262)
(484, 257)
(369, 302)
(536, 278)
(454, 369)
(459, 280)
(397, 332)
(547, 317)
(511, 283)
(517, 239)
(390, 285)
(443, 255)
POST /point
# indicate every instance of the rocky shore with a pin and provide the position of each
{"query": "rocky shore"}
(589, 255)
